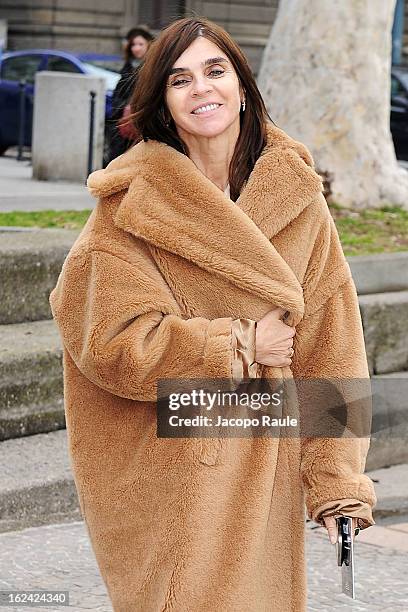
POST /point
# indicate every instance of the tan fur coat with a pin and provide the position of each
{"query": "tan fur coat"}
(148, 291)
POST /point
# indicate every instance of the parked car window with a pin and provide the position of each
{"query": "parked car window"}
(21, 67)
(114, 65)
(396, 88)
(60, 64)
(111, 78)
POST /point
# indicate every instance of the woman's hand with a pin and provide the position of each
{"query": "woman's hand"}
(274, 340)
(331, 526)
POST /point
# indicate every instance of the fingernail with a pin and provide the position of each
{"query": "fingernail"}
(332, 539)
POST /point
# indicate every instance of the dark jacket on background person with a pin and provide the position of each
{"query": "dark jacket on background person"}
(121, 97)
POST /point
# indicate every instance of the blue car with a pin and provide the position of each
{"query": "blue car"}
(399, 110)
(16, 66)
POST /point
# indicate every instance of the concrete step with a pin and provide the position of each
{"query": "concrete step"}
(385, 323)
(31, 389)
(30, 262)
(391, 487)
(36, 482)
(379, 273)
(389, 431)
(37, 486)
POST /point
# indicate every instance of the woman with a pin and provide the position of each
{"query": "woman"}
(138, 42)
(206, 234)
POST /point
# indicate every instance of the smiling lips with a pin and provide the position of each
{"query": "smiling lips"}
(204, 110)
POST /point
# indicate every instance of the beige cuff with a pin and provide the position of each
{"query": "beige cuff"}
(243, 347)
(345, 507)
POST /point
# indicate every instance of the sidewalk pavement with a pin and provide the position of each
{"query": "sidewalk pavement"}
(59, 557)
(19, 192)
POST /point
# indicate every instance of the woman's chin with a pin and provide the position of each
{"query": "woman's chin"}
(208, 130)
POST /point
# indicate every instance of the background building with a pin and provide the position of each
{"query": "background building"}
(98, 25)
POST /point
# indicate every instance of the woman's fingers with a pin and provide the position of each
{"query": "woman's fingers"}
(331, 526)
(274, 340)
(283, 344)
(275, 313)
(277, 362)
(355, 525)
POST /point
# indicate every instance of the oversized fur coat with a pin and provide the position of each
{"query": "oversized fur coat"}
(148, 291)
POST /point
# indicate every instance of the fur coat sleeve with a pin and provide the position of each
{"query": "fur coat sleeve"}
(329, 345)
(123, 328)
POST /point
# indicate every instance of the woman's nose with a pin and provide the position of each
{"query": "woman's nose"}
(201, 87)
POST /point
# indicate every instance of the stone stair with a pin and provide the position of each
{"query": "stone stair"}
(36, 482)
(30, 262)
(31, 393)
(30, 379)
(382, 286)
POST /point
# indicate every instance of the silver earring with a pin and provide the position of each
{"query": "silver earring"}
(243, 105)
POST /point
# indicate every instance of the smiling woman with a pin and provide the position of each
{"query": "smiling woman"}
(197, 102)
(207, 119)
(176, 277)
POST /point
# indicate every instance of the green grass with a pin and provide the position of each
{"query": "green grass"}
(378, 230)
(65, 219)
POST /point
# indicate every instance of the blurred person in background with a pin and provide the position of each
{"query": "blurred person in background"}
(121, 137)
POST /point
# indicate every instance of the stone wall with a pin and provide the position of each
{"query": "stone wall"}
(73, 25)
(98, 25)
(248, 21)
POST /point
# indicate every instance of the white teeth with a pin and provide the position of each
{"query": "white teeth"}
(203, 109)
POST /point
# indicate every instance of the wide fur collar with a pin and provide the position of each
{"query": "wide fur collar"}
(170, 203)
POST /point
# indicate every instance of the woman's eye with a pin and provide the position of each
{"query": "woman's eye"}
(180, 82)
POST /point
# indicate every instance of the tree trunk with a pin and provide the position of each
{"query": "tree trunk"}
(325, 79)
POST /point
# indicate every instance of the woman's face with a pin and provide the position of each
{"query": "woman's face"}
(139, 47)
(203, 75)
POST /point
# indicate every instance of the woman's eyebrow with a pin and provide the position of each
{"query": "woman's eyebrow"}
(210, 60)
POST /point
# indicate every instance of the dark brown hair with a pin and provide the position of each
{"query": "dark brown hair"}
(131, 35)
(150, 114)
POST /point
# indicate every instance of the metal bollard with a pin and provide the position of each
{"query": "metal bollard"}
(21, 120)
(92, 95)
